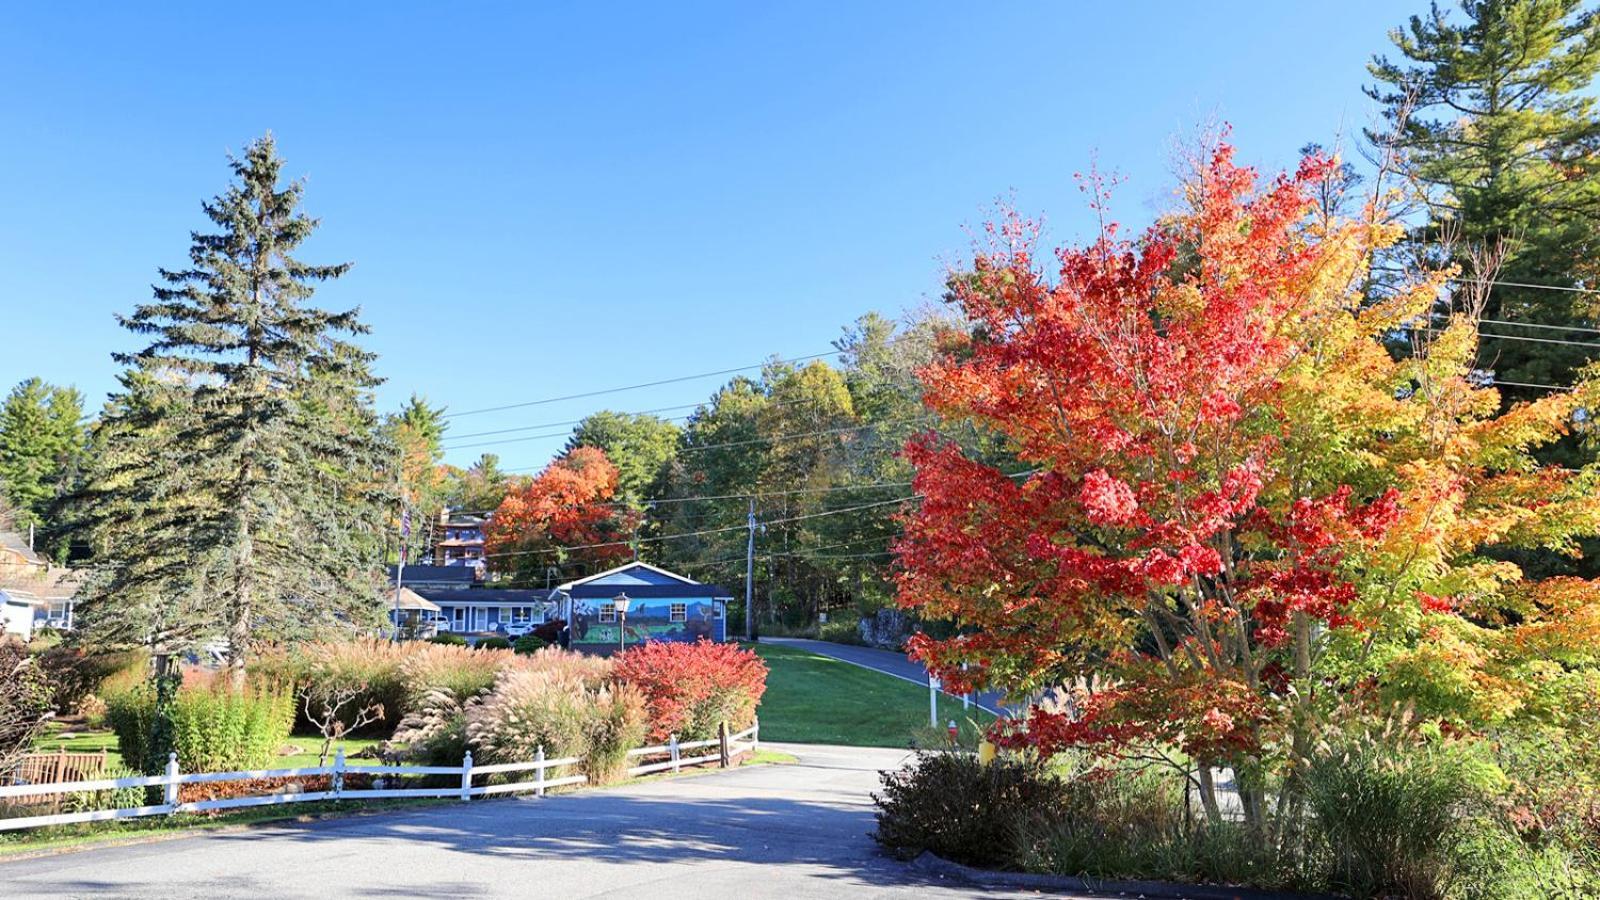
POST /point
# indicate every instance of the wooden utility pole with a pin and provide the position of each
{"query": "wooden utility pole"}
(750, 576)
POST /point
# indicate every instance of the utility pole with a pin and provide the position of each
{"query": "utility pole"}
(750, 577)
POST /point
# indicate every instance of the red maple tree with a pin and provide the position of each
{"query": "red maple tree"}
(1229, 494)
(565, 516)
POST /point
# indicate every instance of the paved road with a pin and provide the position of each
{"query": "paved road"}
(887, 661)
(796, 831)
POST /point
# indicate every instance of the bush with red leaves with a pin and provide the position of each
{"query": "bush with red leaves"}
(690, 688)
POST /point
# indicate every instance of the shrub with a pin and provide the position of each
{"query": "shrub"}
(494, 643)
(215, 728)
(448, 639)
(841, 632)
(76, 675)
(1121, 822)
(593, 671)
(950, 805)
(529, 643)
(25, 698)
(690, 688)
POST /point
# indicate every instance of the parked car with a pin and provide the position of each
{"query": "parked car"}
(516, 629)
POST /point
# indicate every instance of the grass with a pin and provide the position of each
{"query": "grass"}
(812, 699)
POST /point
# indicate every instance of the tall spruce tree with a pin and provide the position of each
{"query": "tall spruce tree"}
(1494, 114)
(245, 500)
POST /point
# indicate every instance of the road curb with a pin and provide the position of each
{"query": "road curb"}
(930, 864)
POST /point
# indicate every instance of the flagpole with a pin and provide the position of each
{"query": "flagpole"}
(399, 570)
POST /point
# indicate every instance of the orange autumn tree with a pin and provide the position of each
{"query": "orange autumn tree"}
(1237, 509)
(564, 518)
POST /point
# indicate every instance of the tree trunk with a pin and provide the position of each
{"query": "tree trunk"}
(1208, 793)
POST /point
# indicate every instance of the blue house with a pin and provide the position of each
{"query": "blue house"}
(452, 598)
(661, 606)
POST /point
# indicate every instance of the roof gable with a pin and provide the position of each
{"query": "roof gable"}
(633, 573)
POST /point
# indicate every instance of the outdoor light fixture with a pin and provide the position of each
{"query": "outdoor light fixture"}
(620, 604)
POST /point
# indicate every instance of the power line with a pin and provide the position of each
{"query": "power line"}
(774, 438)
(634, 387)
(1539, 325)
(668, 537)
(641, 412)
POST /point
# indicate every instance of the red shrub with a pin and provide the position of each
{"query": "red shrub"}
(689, 688)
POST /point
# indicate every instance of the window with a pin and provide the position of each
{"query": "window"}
(608, 613)
(716, 610)
(678, 612)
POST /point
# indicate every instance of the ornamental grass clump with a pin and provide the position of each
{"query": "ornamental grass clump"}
(528, 710)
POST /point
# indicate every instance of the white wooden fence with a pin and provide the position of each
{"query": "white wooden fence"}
(728, 746)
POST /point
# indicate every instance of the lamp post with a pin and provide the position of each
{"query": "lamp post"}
(620, 604)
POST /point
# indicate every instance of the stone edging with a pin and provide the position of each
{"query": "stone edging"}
(930, 864)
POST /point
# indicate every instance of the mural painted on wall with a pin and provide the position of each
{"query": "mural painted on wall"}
(657, 619)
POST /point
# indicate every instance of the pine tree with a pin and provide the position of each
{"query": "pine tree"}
(1495, 117)
(40, 439)
(246, 500)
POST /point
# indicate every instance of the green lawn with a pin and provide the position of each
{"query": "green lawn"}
(812, 699)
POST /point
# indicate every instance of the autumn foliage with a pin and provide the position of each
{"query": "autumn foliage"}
(564, 516)
(1247, 488)
(691, 687)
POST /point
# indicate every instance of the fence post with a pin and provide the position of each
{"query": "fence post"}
(755, 737)
(672, 748)
(466, 776)
(338, 774)
(170, 794)
(538, 774)
(722, 743)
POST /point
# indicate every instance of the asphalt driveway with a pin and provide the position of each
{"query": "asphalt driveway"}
(794, 831)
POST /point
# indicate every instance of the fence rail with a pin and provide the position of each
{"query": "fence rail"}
(728, 746)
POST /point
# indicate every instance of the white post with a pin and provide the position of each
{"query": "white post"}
(966, 699)
(338, 773)
(755, 737)
(170, 795)
(538, 774)
(466, 776)
(672, 748)
(933, 701)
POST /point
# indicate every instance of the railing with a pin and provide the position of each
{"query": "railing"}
(728, 746)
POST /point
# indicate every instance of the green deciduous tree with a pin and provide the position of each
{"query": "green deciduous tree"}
(639, 444)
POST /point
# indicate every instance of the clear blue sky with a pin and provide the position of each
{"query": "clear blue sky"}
(545, 202)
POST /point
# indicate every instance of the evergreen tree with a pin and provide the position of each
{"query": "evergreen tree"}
(247, 500)
(1494, 115)
(40, 440)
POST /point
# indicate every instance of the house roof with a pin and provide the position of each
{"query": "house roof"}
(19, 598)
(692, 591)
(17, 544)
(409, 599)
(487, 596)
(623, 568)
(435, 574)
